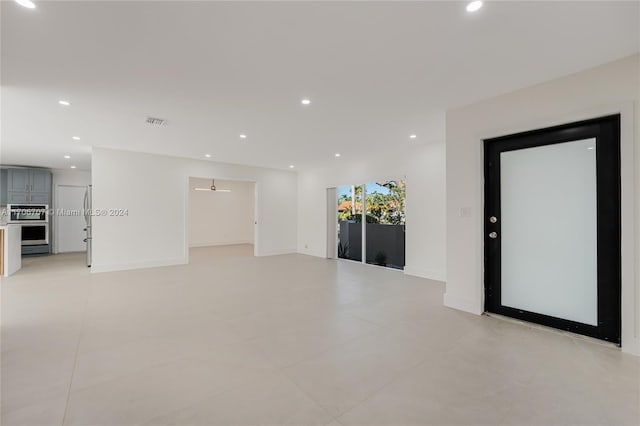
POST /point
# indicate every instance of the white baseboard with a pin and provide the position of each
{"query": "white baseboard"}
(277, 252)
(221, 243)
(308, 252)
(461, 304)
(137, 265)
(631, 345)
(430, 274)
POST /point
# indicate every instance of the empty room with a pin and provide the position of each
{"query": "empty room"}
(340, 213)
(221, 217)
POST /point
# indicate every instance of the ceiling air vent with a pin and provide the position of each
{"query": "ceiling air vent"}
(156, 121)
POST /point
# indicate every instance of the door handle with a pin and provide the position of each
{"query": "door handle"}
(493, 235)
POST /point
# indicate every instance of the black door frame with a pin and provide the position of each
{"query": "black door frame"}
(607, 131)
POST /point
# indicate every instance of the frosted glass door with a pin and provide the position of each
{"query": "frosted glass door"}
(552, 227)
(549, 230)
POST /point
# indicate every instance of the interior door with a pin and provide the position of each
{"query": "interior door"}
(70, 223)
(552, 227)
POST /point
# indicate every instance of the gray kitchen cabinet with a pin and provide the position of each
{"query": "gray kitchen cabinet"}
(39, 198)
(21, 197)
(40, 187)
(18, 180)
(40, 181)
(27, 186)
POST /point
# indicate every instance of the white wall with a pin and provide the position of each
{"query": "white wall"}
(604, 90)
(219, 218)
(70, 177)
(154, 189)
(12, 250)
(422, 166)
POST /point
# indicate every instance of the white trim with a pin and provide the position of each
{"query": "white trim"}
(630, 291)
(277, 252)
(312, 254)
(138, 265)
(256, 226)
(430, 274)
(221, 243)
(461, 304)
(332, 223)
(369, 265)
(186, 201)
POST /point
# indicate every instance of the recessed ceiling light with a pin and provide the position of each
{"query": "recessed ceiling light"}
(243, 136)
(305, 101)
(67, 156)
(208, 155)
(291, 166)
(72, 167)
(337, 154)
(64, 103)
(474, 6)
(413, 136)
(26, 3)
(75, 138)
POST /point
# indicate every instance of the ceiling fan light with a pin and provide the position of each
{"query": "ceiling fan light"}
(212, 188)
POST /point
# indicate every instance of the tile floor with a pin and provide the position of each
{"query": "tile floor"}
(287, 340)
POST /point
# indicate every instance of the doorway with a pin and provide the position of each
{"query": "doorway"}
(553, 227)
(221, 218)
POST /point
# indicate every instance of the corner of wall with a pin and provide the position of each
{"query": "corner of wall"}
(430, 274)
(138, 265)
(631, 346)
(309, 252)
(276, 252)
(462, 304)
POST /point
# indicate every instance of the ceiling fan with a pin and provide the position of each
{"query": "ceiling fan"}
(212, 188)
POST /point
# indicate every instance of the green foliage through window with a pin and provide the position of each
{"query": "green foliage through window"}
(387, 209)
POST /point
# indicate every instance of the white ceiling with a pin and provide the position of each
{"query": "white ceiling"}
(375, 72)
